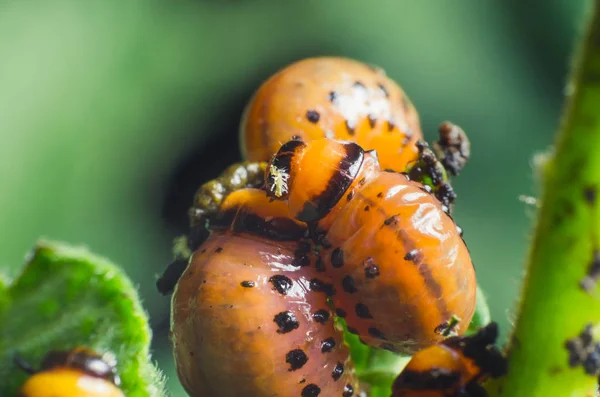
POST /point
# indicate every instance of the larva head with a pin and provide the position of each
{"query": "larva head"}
(335, 98)
(313, 176)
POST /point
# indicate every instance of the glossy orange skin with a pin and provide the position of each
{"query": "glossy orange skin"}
(66, 382)
(367, 107)
(225, 339)
(425, 271)
(437, 358)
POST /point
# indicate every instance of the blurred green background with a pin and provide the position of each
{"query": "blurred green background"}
(113, 112)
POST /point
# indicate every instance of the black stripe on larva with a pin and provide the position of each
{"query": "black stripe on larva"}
(350, 196)
(332, 96)
(286, 322)
(383, 89)
(348, 391)
(434, 289)
(321, 316)
(311, 390)
(362, 311)
(320, 286)
(219, 250)
(283, 161)
(349, 128)
(247, 284)
(376, 333)
(327, 345)
(372, 121)
(337, 258)
(313, 116)
(341, 313)
(296, 359)
(338, 371)
(281, 283)
(390, 126)
(348, 285)
(340, 180)
(241, 221)
(83, 360)
(433, 379)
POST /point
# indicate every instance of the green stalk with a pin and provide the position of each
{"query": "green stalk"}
(554, 306)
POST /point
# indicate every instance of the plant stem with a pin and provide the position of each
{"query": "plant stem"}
(554, 306)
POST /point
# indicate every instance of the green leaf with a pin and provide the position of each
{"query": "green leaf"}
(67, 297)
(482, 313)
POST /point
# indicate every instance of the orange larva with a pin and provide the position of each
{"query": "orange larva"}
(247, 316)
(74, 373)
(455, 367)
(337, 98)
(392, 252)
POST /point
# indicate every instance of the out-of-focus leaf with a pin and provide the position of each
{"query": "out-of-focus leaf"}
(67, 297)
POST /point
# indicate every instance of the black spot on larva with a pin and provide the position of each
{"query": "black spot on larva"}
(590, 195)
(219, 250)
(348, 391)
(320, 286)
(352, 330)
(321, 316)
(362, 182)
(341, 313)
(362, 311)
(367, 208)
(327, 345)
(286, 322)
(350, 196)
(359, 84)
(349, 128)
(301, 261)
(390, 126)
(371, 271)
(313, 116)
(391, 220)
(337, 258)
(319, 265)
(380, 194)
(372, 121)
(348, 285)
(203, 251)
(337, 372)
(415, 256)
(332, 96)
(302, 381)
(281, 283)
(382, 88)
(375, 333)
(296, 359)
(247, 284)
(311, 390)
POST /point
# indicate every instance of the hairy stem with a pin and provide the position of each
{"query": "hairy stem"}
(555, 306)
